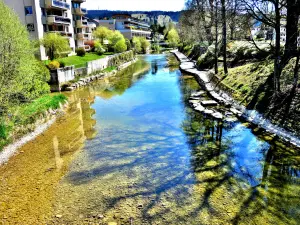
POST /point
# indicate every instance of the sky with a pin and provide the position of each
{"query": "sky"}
(135, 5)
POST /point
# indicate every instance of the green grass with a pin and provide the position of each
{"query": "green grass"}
(79, 61)
(110, 69)
(27, 114)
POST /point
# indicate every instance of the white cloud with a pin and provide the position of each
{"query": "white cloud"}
(133, 5)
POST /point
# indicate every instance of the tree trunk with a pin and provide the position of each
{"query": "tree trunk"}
(277, 50)
(216, 38)
(224, 36)
(296, 74)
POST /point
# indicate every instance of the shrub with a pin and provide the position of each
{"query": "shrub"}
(62, 64)
(80, 52)
(99, 48)
(90, 43)
(120, 46)
(3, 130)
(53, 65)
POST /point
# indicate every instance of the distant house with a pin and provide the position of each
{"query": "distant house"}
(128, 26)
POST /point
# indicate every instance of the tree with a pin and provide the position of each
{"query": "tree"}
(137, 44)
(102, 33)
(55, 45)
(120, 46)
(224, 36)
(145, 44)
(173, 38)
(22, 77)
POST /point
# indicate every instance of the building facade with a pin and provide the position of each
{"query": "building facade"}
(127, 25)
(65, 17)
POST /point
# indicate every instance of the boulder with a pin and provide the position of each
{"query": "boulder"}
(208, 111)
(217, 115)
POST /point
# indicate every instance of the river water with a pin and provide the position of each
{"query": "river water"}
(130, 150)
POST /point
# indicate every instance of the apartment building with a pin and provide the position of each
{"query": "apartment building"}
(65, 17)
(128, 26)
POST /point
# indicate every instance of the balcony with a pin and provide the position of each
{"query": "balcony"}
(80, 11)
(52, 19)
(57, 4)
(63, 33)
(79, 36)
(81, 23)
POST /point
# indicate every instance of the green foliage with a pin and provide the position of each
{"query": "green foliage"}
(114, 38)
(102, 33)
(173, 38)
(26, 114)
(22, 77)
(99, 49)
(127, 41)
(80, 52)
(62, 64)
(53, 65)
(120, 46)
(55, 45)
(145, 44)
(155, 48)
(110, 69)
(121, 58)
(137, 44)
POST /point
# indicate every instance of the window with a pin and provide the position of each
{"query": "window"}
(28, 10)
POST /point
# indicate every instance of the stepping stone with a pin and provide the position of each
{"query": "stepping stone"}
(198, 94)
(209, 103)
(200, 108)
(235, 111)
(231, 119)
(208, 111)
(217, 115)
(194, 101)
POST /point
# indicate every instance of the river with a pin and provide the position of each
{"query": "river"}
(130, 150)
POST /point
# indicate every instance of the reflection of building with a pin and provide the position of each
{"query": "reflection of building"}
(128, 26)
(65, 17)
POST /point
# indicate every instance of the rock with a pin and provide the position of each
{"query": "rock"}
(140, 206)
(200, 108)
(100, 216)
(194, 101)
(112, 223)
(236, 112)
(195, 98)
(209, 103)
(58, 216)
(198, 94)
(208, 111)
(217, 115)
(70, 88)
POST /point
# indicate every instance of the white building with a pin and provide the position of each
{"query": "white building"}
(65, 17)
(127, 25)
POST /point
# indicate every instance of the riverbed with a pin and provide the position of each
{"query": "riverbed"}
(130, 150)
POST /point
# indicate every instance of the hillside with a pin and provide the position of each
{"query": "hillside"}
(160, 17)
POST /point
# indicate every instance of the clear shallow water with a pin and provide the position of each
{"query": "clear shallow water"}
(131, 151)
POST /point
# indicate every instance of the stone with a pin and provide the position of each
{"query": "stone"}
(112, 223)
(200, 108)
(209, 103)
(235, 111)
(58, 216)
(198, 94)
(217, 115)
(194, 101)
(140, 206)
(208, 111)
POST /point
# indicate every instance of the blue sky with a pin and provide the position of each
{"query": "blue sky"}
(149, 5)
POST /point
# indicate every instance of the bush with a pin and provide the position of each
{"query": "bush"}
(62, 64)
(90, 43)
(80, 52)
(120, 46)
(155, 48)
(53, 65)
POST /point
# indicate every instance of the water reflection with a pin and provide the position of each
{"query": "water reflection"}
(148, 158)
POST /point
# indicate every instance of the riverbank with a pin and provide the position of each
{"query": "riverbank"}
(223, 97)
(27, 122)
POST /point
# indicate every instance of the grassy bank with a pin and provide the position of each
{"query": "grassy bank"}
(79, 61)
(21, 119)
